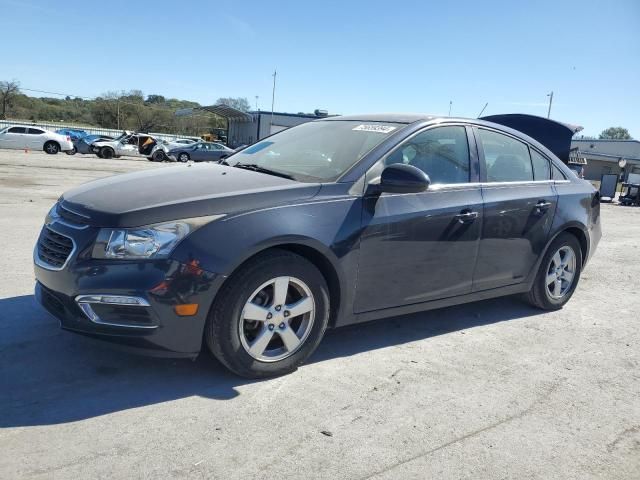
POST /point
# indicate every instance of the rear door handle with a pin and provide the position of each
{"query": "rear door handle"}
(466, 216)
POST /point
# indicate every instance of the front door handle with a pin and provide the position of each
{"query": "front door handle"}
(467, 216)
(542, 206)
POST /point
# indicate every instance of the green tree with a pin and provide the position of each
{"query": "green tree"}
(615, 133)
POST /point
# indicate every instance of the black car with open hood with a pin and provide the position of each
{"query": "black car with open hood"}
(336, 221)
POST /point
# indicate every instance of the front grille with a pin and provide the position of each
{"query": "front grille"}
(71, 217)
(54, 249)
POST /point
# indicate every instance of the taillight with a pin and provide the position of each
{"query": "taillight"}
(68, 138)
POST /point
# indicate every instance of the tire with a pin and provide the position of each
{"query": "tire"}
(184, 157)
(159, 156)
(73, 151)
(230, 334)
(51, 147)
(106, 152)
(546, 293)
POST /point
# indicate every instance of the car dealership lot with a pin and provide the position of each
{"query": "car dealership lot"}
(493, 389)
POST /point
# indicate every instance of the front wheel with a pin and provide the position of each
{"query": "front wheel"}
(269, 316)
(106, 152)
(558, 274)
(183, 157)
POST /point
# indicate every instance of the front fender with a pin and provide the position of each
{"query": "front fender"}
(330, 227)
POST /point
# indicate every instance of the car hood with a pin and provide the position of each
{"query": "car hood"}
(183, 191)
(103, 143)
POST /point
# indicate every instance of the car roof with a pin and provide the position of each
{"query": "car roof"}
(382, 117)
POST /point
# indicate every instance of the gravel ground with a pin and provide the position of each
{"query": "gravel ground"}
(492, 389)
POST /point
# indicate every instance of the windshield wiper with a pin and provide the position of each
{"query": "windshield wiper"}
(257, 168)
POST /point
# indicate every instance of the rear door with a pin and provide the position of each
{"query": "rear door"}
(422, 246)
(519, 205)
(35, 138)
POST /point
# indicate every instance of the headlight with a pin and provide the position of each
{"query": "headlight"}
(152, 241)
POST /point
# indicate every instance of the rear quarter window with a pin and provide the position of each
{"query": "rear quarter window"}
(541, 166)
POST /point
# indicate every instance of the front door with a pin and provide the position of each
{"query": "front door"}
(519, 205)
(14, 138)
(420, 247)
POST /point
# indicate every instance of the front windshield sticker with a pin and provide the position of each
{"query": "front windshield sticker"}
(375, 128)
(257, 147)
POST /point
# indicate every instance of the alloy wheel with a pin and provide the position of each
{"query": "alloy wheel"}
(561, 272)
(277, 319)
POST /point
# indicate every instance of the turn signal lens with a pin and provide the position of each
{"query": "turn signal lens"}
(186, 309)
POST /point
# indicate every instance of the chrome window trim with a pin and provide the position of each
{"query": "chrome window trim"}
(46, 266)
(85, 302)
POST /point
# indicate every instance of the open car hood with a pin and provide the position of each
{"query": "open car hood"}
(556, 136)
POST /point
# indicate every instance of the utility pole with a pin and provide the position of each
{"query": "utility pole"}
(273, 99)
(550, 95)
(257, 102)
(118, 114)
(450, 103)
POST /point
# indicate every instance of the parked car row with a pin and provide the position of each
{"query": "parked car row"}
(20, 137)
(72, 141)
(138, 145)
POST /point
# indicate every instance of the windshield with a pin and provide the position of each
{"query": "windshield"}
(316, 151)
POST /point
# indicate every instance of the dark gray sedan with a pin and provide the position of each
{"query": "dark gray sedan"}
(201, 152)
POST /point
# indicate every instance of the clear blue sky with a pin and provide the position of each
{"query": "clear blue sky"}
(343, 56)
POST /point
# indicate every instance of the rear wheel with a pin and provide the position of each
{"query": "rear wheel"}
(183, 157)
(269, 316)
(73, 151)
(106, 152)
(51, 148)
(558, 274)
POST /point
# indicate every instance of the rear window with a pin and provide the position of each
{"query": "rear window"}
(17, 130)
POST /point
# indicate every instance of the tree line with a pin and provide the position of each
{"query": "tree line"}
(125, 110)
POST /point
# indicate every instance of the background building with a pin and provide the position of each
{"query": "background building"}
(602, 156)
(245, 128)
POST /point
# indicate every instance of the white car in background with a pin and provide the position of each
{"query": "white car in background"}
(20, 137)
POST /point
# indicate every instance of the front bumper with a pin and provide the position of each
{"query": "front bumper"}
(75, 295)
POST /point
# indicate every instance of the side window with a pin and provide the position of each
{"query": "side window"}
(17, 130)
(541, 168)
(442, 153)
(557, 173)
(506, 159)
(35, 131)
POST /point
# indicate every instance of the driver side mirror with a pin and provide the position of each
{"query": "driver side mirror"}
(401, 178)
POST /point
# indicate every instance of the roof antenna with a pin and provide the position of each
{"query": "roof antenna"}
(485, 106)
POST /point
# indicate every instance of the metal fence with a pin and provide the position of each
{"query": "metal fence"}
(90, 130)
